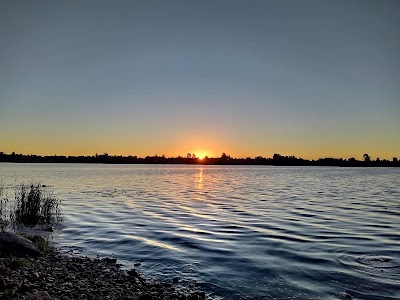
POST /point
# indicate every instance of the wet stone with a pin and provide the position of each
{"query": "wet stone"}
(175, 280)
(62, 277)
(145, 297)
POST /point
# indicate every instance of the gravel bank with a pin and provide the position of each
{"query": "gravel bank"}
(56, 275)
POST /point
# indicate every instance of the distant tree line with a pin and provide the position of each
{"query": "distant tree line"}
(225, 159)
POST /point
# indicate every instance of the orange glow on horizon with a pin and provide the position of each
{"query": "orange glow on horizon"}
(202, 146)
(201, 157)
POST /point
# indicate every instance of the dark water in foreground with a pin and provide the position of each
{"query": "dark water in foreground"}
(251, 232)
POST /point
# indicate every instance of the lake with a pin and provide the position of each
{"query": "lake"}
(236, 232)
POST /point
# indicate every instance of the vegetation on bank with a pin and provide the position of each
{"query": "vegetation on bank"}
(3, 203)
(225, 159)
(33, 204)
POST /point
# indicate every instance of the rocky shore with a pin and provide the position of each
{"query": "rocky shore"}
(46, 273)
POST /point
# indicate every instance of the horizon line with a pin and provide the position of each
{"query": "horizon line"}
(192, 156)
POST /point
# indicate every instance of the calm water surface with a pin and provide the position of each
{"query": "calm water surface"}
(236, 232)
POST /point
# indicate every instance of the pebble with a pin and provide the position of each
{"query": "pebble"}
(60, 276)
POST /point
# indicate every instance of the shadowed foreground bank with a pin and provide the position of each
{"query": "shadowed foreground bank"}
(55, 275)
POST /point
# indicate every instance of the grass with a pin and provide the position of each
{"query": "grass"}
(23, 262)
(3, 205)
(34, 204)
(40, 243)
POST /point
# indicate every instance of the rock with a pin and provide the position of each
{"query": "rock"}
(145, 297)
(38, 295)
(110, 261)
(197, 296)
(58, 276)
(4, 270)
(347, 296)
(40, 243)
(17, 245)
(50, 229)
(193, 297)
(133, 273)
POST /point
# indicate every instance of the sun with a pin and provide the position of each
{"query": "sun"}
(201, 157)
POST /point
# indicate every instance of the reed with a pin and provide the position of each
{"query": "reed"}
(34, 204)
(3, 204)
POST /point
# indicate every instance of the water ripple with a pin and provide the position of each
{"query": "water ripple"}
(236, 232)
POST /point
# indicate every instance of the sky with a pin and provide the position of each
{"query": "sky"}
(306, 78)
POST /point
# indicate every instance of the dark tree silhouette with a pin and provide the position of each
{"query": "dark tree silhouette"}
(224, 156)
(276, 156)
(277, 160)
(366, 158)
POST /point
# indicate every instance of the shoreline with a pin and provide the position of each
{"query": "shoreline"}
(57, 275)
(192, 159)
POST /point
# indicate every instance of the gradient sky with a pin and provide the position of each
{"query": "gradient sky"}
(306, 78)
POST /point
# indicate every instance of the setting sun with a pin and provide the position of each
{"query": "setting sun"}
(200, 157)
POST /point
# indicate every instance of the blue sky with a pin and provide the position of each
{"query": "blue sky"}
(305, 78)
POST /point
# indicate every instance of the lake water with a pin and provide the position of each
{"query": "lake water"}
(236, 232)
